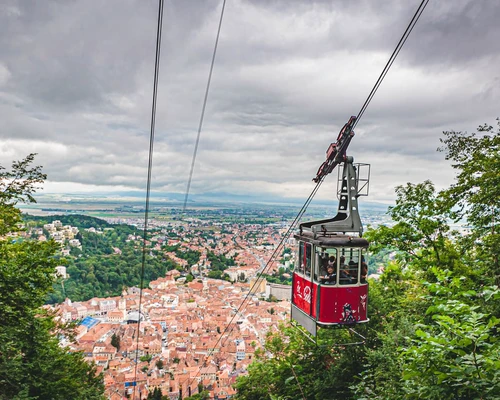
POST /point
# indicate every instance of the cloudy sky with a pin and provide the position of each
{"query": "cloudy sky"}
(76, 83)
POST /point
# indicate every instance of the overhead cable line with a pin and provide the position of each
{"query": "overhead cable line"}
(203, 108)
(395, 53)
(391, 60)
(150, 167)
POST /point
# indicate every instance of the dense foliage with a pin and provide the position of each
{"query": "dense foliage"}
(32, 363)
(219, 263)
(475, 196)
(283, 277)
(100, 272)
(294, 367)
(434, 328)
(107, 262)
(17, 185)
(80, 221)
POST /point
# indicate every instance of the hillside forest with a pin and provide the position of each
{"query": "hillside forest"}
(107, 261)
(110, 257)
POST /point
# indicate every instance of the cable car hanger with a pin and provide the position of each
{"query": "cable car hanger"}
(347, 218)
(340, 297)
(329, 287)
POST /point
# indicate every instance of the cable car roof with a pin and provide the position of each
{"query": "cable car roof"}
(332, 240)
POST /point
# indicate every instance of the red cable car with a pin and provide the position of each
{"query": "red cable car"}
(329, 281)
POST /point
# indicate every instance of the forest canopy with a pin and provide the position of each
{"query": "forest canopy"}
(106, 262)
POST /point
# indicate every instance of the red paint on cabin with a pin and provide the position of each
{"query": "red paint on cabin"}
(338, 304)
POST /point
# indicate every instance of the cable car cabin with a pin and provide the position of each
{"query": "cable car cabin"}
(329, 280)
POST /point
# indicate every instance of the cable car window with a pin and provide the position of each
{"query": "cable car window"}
(308, 258)
(300, 261)
(317, 263)
(304, 262)
(349, 267)
(363, 273)
(328, 266)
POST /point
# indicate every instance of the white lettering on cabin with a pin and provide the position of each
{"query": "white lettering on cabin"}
(304, 294)
(298, 290)
(307, 294)
(363, 301)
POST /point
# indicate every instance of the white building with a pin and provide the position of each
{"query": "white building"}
(279, 291)
(61, 271)
(75, 243)
(107, 305)
(49, 227)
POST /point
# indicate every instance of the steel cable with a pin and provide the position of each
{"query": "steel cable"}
(150, 168)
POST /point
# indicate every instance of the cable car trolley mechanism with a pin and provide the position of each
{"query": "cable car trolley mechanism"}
(329, 280)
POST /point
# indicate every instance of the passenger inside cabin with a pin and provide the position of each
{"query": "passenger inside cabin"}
(364, 271)
(353, 270)
(301, 268)
(323, 263)
(345, 277)
(308, 260)
(330, 276)
(326, 260)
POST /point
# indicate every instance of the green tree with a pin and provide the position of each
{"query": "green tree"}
(395, 306)
(215, 274)
(17, 185)
(294, 367)
(146, 357)
(457, 354)
(437, 339)
(475, 195)
(204, 395)
(115, 341)
(155, 394)
(421, 232)
(32, 363)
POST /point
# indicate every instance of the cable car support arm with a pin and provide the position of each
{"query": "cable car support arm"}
(336, 153)
(347, 218)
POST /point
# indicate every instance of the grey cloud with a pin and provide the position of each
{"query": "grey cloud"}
(68, 55)
(288, 75)
(460, 32)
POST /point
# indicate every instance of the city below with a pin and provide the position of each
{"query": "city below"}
(203, 320)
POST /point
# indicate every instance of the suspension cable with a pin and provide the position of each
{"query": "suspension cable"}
(203, 108)
(393, 57)
(150, 167)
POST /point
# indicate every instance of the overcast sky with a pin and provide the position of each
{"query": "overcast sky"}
(76, 88)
